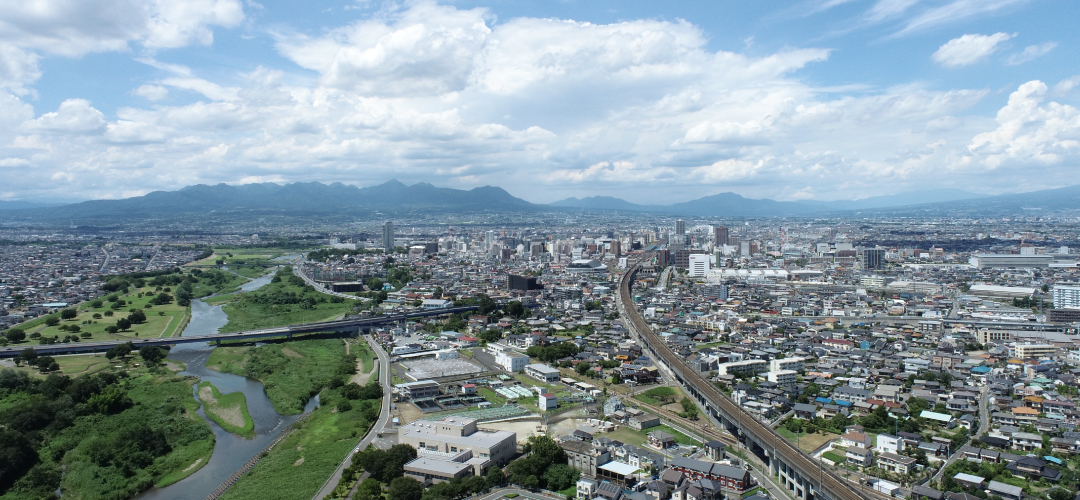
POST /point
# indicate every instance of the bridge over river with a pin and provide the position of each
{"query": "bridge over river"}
(355, 325)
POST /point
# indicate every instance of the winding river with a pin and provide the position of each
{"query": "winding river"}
(230, 451)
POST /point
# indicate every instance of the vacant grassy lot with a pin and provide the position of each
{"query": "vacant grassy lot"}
(291, 372)
(227, 410)
(637, 438)
(659, 396)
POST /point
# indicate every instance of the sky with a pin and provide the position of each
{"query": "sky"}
(652, 102)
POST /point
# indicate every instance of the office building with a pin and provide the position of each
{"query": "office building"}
(681, 258)
(523, 283)
(874, 258)
(616, 248)
(680, 227)
(699, 265)
(511, 361)
(388, 236)
(721, 235)
(542, 372)
(1066, 296)
(1026, 351)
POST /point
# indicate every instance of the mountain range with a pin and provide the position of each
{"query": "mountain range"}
(394, 197)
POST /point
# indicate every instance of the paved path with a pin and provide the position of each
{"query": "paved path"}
(984, 427)
(373, 433)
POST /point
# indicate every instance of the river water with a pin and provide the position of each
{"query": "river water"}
(231, 451)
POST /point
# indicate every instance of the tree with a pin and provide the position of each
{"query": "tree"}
(123, 324)
(137, 316)
(52, 321)
(405, 488)
(561, 477)
(29, 355)
(369, 489)
(1061, 494)
(515, 309)
(582, 367)
(47, 364)
(68, 314)
(153, 355)
(15, 335)
(495, 477)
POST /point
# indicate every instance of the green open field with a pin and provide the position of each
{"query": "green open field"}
(74, 365)
(291, 372)
(302, 462)
(161, 321)
(285, 301)
(227, 410)
(659, 396)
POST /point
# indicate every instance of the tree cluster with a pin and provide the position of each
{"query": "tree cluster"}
(544, 466)
(553, 352)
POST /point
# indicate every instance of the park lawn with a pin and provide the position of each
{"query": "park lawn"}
(161, 321)
(230, 411)
(304, 460)
(72, 365)
(248, 314)
(291, 372)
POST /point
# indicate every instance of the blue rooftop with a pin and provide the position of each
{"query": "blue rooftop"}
(823, 400)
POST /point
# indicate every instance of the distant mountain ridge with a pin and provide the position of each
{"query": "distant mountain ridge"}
(393, 197)
(293, 199)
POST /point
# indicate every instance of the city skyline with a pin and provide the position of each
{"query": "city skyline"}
(812, 100)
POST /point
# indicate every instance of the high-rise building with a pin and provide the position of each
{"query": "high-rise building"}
(388, 236)
(1066, 296)
(616, 248)
(524, 283)
(680, 227)
(721, 235)
(874, 258)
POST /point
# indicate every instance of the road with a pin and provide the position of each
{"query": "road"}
(833, 486)
(373, 433)
(298, 264)
(984, 427)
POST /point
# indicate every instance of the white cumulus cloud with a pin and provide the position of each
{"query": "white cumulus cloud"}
(969, 49)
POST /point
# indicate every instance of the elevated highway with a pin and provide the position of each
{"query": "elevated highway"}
(341, 326)
(801, 475)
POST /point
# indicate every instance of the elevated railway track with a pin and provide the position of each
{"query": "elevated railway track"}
(801, 475)
(355, 325)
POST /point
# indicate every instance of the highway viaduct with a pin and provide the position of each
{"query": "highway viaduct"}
(804, 477)
(351, 326)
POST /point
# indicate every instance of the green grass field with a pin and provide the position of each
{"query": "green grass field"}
(227, 410)
(161, 321)
(658, 396)
(291, 372)
(302, 462)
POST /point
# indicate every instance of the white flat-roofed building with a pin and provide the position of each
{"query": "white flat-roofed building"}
(1001, 292)
(786, 379)
(699, 265)
(511, 361)
(548, 402)
(1004, 261)
(796, 364)
(457, 434)
(1066, 296)
(542, 372)
(437, 469)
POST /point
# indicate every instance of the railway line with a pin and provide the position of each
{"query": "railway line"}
(798, 472)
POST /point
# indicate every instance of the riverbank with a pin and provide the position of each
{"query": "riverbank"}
(286, 300)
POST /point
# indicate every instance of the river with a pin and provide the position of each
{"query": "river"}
(231, 451)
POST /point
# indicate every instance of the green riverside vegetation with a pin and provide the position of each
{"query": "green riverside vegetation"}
(286, 300)
(230, 411)
(108, 435)
(292, 372)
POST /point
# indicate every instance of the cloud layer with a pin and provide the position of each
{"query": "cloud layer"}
(543, 107)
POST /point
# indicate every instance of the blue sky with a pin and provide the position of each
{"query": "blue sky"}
(648, 101)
